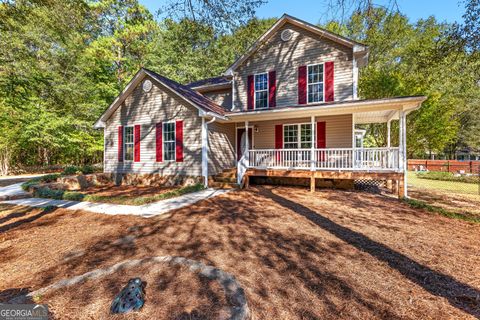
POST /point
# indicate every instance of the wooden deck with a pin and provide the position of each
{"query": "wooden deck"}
(395, 180)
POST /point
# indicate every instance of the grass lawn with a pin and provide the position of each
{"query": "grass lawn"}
(330, 255)
(455, 197)
(445, 186)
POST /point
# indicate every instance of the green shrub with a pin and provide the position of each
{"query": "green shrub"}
(87, 169)
(43, 179)
(45, 192)
(447, 176)
(73, 196)
(71, 170)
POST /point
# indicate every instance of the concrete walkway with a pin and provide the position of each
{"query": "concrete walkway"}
(13, 191)
(146, 211)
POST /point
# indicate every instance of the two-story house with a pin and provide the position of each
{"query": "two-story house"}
(287, 108)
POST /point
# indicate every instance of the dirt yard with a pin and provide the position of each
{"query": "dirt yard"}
(332, 255)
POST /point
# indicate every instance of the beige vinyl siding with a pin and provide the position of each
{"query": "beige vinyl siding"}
(338, 131)
(303, 48)
(221, 97)
(147, 109)
(221, 143)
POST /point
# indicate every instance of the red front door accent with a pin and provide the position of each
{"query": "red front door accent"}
(240, 134)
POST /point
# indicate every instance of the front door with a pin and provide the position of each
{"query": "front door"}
(242, 142)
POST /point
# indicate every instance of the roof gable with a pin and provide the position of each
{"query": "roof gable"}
(197, 100)
(357, 47)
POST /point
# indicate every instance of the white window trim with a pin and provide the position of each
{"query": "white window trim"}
(174, 141)
(299, 134)
(323, 91)
(125, 143)
(255, 91)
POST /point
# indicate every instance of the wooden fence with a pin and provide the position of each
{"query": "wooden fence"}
(453, 166)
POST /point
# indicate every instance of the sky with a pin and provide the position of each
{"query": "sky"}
(313, 10)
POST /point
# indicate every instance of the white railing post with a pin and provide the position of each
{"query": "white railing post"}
(312, 149)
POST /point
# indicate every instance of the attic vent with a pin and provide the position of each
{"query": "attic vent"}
(286, 34)
(147, 85)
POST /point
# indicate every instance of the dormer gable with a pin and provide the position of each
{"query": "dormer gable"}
(296, 63)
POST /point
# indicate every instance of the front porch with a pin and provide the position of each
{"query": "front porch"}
(322, 143)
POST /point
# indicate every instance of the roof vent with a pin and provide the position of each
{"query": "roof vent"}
(147, 85)
(286, 34)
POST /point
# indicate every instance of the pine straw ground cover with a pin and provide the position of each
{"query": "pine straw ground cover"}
(331, 255)
(172, 292)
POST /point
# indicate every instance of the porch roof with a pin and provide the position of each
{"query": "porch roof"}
(366, 111)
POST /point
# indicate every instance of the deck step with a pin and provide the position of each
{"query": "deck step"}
(225, 179)
(227, 175)
(223, 185)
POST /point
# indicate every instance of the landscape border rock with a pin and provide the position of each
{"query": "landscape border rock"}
(233, 291)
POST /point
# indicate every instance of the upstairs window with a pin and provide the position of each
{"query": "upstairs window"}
(169, 141)
(315, 83)
(128, 144)
(261, 91)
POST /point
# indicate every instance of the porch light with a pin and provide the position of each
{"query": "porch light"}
(255, 128)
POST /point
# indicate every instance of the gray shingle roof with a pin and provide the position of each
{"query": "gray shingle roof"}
(189, 94)
(209, 82)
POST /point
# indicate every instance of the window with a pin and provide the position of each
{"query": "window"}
(261, 91)
(296, 136)
(128, 144)
(169, 141)
(290, 136)
(305, 136)
(315, 83)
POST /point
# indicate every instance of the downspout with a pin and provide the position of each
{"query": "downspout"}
(205, 149)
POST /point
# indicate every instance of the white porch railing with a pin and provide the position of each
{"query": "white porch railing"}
(368, 159)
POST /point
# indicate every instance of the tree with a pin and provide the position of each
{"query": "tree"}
(409, 59)
(223, 15)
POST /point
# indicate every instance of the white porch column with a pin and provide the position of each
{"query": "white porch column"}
(247, 143)
(389, 122)
(402, 149)
(354, 141)
(312, 149)
(205, 152)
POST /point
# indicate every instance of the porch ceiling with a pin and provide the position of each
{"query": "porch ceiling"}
(381, 116)
(366, 111)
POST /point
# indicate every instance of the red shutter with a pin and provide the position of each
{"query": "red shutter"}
(250, 92)
(136, 137)
(272, 89)
(179, 140)
(321, 135)
(278, 140)
(120, 143)
(302, 85)
(278, 136)
(329, 81)
(159, 142)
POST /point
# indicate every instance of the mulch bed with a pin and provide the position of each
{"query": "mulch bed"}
(127, 191)
(171, 292)
(331, 255)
